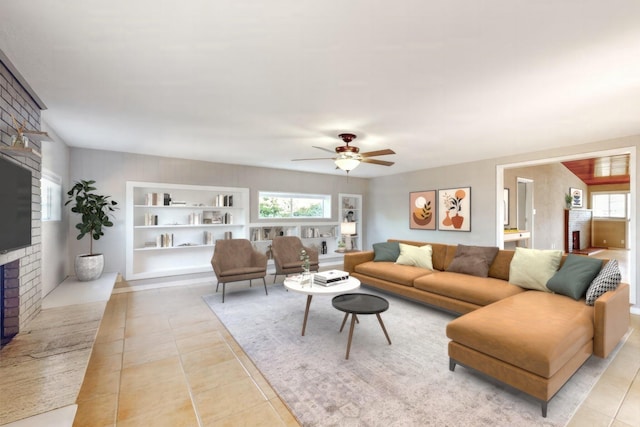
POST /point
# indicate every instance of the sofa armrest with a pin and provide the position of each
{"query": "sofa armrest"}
(355, 258)
(611, 319)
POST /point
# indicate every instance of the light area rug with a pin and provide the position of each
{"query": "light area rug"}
(407, 383)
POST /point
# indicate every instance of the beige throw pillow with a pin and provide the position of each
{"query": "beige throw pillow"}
(419, 256)
(532, 268)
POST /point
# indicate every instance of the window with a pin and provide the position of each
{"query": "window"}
(610, 205)
(274, 205)
(51, 196)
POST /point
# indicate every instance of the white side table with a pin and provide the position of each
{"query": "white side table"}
(311, 290)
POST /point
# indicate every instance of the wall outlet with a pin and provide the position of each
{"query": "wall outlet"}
(553, 246)
(622, 242)
(604, 241)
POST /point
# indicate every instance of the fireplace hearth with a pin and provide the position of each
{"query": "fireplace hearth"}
(9, 301)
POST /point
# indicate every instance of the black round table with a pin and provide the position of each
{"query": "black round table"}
(354, 304)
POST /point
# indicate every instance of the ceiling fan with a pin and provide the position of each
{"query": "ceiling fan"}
(348, 157)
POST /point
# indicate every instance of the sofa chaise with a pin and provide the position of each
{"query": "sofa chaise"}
(533, 340)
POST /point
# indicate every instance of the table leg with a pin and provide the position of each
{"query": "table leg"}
(306, 313)
(383, 328)
(353, 323)
(346, 315)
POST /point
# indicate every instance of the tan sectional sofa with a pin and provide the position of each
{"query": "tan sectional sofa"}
(532, 340)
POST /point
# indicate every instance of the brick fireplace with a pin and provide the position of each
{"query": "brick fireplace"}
(577, 229)
(21, 297)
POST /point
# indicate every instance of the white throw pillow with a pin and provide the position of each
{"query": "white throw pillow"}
(419, 256)
(532, 268)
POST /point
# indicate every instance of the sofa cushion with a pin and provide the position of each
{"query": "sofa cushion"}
(475, 290)
(416, 256)
(607, 280)
(532, 268)
(392, 272)
(386, 251)
(575, 276)
(536, 331)
(473, 260)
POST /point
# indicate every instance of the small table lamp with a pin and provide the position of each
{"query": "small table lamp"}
(348, 229)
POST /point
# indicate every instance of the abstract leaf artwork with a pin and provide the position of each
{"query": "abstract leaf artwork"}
(422, 210)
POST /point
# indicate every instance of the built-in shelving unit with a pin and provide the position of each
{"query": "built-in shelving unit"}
(350, 210)
(172, 228)
(21, 152)
(312, 234)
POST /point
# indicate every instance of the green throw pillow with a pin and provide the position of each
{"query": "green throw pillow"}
(575, 276)
(414, 255)
(386, 251)
(473, 260)
(532, 268)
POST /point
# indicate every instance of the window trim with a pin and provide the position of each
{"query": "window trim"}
(627, 204)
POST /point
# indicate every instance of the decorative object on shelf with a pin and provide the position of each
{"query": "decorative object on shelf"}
(454, 209)
(348, 157)
(304, 257)
(348, 229)
(422, 208)
(94, 210)
(323, 248)
(567, 200)
(21, 138)
(576, 197)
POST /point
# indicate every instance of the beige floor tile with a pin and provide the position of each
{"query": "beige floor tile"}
(221, 402)
(630, 410)
(196, 328)
(168, 395)
(261, 415)
(589, 417)
(199, 341)
(108, 348)
(109, 335)
(147, 325)
(97, 412)
(145, 376)
(606, 396)
(97, 384)
(617, 423)
(156, 351)
(206, 357)
(217, 375)
(105, 363)
(182, 416)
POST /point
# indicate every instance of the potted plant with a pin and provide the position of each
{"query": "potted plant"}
(567, 200)
(94, 210)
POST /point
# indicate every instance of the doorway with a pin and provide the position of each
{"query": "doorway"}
(524, 208)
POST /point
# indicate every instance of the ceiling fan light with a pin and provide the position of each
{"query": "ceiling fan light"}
(347, 163)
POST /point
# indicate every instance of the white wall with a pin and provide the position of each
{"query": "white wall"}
(111, 170)
(55, 158)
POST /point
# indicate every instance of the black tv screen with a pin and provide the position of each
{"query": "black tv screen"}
(15, 206)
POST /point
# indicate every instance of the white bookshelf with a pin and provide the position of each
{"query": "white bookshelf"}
(179, 237)
(350, 209)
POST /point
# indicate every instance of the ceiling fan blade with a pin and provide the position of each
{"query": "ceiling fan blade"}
(378, 153)
(377, 162)
(315, 158)
(324, 149)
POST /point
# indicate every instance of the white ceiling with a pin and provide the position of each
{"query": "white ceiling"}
(261, 82)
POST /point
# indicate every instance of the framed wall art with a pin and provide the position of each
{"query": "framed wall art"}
(422, 210)
(576, 197)
(454, 209)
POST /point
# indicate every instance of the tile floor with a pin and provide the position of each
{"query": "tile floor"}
(162, 358)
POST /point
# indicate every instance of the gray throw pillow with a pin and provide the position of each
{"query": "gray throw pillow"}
(473, 260)
(386, 251)
(607, 280)
(575, 276)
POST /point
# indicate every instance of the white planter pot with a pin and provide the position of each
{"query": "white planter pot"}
(89, 267)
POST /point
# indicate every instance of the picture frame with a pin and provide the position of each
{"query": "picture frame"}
(422, 210)
(505, 207)
(576, 197)
(454, 209)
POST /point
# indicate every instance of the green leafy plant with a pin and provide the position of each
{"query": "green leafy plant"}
(94, 209)
(568, 199)
(304, 257)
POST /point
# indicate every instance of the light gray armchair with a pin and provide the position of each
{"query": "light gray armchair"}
(286, 255)
(235, 260)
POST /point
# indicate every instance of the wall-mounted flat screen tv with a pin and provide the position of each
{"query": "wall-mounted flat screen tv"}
(15, 206)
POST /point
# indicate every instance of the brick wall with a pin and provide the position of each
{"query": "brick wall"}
(16, 101)
(578, 220)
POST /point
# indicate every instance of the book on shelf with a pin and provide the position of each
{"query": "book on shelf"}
(330, 276)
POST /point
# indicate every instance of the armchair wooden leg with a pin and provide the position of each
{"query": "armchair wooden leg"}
(264, 282)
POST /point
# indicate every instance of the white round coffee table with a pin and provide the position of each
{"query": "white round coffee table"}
(310, 290)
